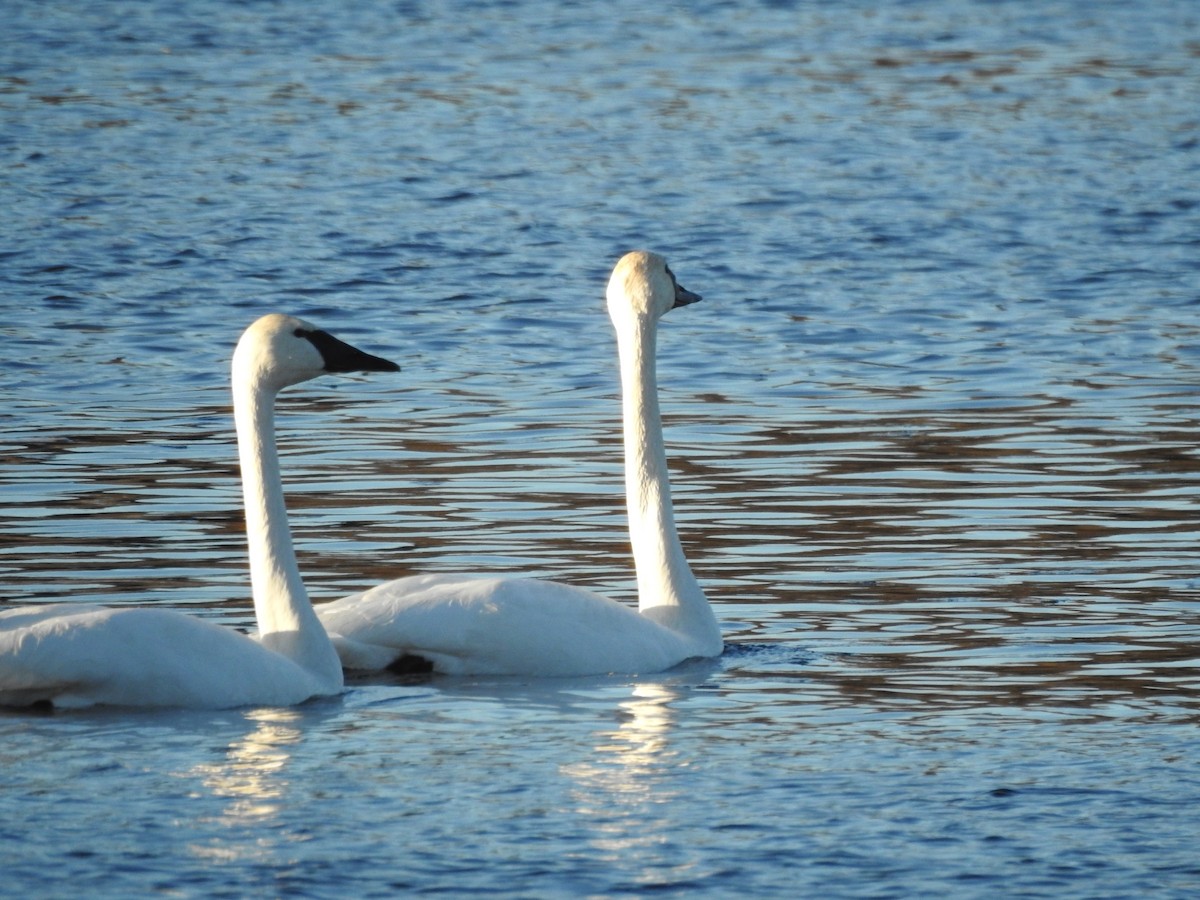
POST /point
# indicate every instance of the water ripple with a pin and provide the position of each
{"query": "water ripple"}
(932, 430)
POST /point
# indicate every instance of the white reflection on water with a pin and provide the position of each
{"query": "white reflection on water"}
(619, 789)
(253, 780)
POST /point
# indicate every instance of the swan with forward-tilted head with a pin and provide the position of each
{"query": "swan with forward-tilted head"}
(518, 626)
(72, 655)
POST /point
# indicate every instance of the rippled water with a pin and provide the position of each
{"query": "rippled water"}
(933, 433)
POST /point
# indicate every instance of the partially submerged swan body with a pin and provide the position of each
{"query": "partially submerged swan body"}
(70, 655)
(459, 624)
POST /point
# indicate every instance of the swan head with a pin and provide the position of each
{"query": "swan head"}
(277, 351)
(644, 287)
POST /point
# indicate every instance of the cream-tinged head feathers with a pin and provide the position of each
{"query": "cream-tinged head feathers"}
(643, 286)
(277, 351)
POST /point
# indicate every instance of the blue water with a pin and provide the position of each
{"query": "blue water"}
(933, 433)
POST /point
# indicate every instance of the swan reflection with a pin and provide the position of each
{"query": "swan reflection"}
(252, 779)
(633, 770)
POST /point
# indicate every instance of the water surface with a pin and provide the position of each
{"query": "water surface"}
(932, 431)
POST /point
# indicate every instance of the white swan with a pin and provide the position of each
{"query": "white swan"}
(517, 626)
(72, 656)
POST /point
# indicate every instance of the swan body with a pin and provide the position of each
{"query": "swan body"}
(76, 657)
(70, 655)
(459, 624)
(464, 625)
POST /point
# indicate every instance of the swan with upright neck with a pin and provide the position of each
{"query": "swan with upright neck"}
(71, 655)
(460, 624)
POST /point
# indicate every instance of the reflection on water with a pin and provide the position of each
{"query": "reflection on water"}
(618, 791)
(253, 782)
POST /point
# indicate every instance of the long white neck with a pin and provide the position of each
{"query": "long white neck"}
(287, 623)
(667, 590)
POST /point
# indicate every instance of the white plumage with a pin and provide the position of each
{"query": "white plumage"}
(518, 626)
(72, 655)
